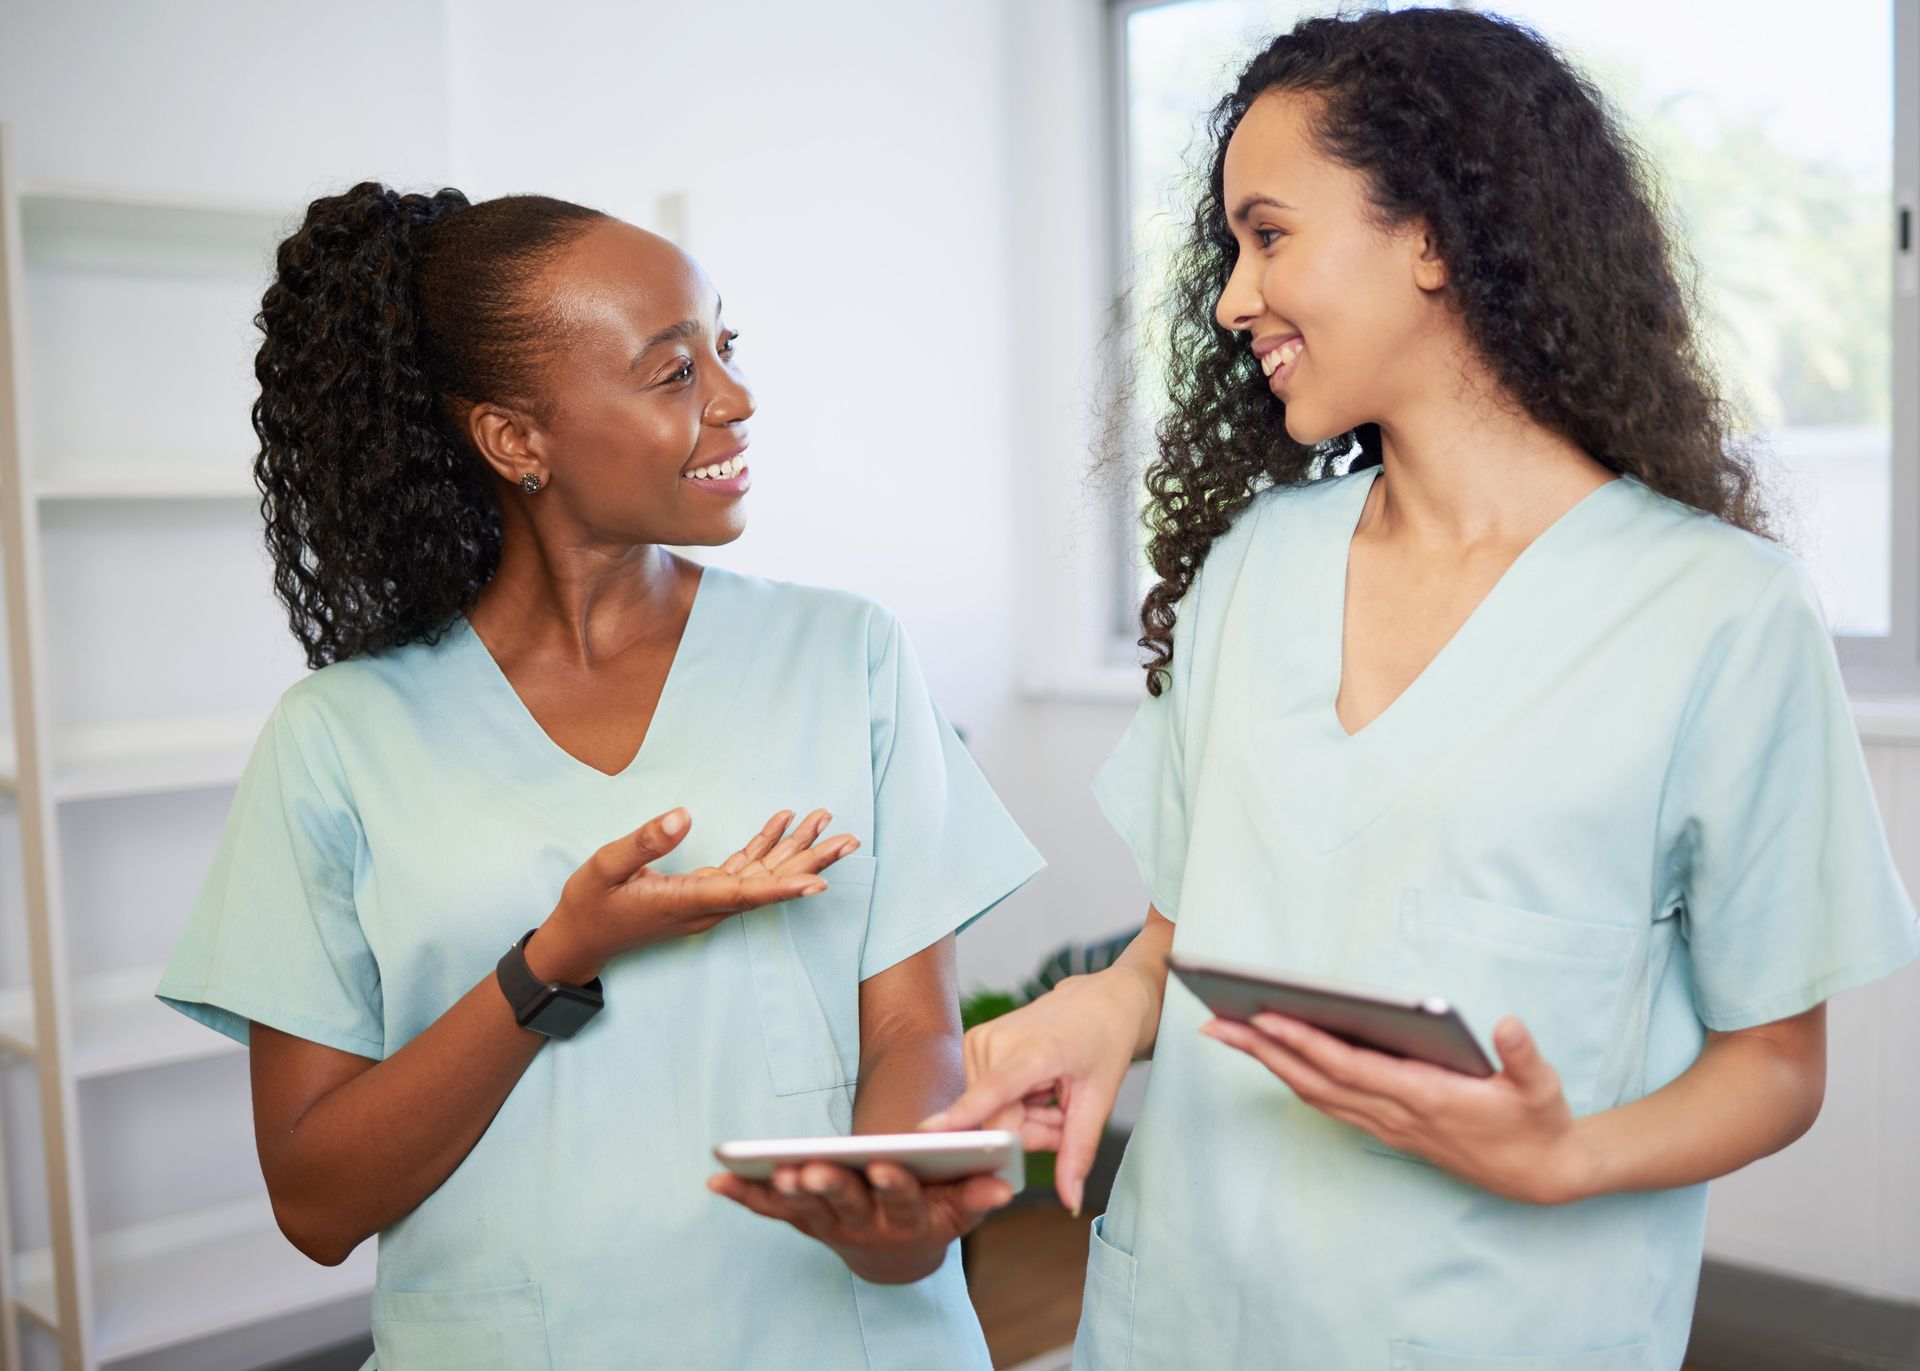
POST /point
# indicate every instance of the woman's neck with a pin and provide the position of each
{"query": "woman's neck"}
(582, 601)
(1465, 465)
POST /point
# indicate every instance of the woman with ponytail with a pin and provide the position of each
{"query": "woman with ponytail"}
(1471, 675)
(481, 427)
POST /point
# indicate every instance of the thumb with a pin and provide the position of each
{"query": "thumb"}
(980, 1101)
(651, 841)
(1520, 1058)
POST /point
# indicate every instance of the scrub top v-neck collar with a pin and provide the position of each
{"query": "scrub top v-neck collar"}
(504, 735)
(1344, 782)
(1539, 549)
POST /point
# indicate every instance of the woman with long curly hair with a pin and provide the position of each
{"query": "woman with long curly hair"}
(481, 428)
(1472, 675)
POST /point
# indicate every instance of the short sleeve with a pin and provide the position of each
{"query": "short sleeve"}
(946, 849)
(1773, 843)
(273, 936)
(1142, 788)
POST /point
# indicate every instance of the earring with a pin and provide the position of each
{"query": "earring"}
(530, 483)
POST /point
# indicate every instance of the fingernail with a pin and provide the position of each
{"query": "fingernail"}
(814, 888)
(932, 1123)
(1076, 1211)
(673, 822)
(786, 1185)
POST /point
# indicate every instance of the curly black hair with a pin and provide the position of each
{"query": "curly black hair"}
(389, 316)
(1559, 265)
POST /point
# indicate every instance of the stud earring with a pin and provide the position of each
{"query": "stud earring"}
(530, 483)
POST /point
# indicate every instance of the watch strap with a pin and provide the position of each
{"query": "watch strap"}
(533, 999)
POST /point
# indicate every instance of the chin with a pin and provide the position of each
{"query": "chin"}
(713, 536)
(1304, 429)
(1310, 429)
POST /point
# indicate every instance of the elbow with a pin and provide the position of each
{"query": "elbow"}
(1813, 1096)
(1802, 1093)
(310, 1234)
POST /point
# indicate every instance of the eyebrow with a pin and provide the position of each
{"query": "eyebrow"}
(686, 328)
(1252, 202)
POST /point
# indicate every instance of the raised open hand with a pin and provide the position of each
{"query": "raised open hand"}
(616, 901)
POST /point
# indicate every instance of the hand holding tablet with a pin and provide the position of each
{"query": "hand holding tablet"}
(1427, 1030)
(930, 1157)
(890, 1204)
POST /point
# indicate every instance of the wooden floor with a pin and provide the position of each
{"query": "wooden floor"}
(1027, 1270)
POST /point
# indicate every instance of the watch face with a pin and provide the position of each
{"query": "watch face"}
(564, 1013)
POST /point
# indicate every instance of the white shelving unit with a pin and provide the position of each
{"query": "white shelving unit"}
(106, 1292)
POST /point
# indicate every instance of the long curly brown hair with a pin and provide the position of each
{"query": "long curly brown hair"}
(1559, 266)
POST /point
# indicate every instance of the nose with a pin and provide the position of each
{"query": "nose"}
(732, 402)
(1240, 302)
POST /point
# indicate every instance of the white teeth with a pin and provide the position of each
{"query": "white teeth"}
(719, 471)
(1281, 355)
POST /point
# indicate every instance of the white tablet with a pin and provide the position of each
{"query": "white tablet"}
(929, 1156)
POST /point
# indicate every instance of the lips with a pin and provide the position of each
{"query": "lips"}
(1283, 354)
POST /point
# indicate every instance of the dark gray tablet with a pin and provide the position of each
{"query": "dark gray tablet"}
(1429, 1030)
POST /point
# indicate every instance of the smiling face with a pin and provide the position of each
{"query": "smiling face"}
(641, 428)
(1347, 317)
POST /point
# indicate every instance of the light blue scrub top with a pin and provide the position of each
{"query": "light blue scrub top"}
(404, 819)
(1626, 803)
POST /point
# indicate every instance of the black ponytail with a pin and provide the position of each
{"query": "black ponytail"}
(388, 317)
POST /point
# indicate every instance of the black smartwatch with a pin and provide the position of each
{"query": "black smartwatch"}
(554, 1008)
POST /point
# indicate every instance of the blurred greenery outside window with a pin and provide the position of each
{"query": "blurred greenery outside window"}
(1771, 128)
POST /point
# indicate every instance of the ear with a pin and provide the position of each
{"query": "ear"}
(510, 441)
(1429, 268)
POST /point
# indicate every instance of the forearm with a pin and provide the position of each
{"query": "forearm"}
(1747, 1096)
(1143, 970)
(905, 1079)
(368, 1153)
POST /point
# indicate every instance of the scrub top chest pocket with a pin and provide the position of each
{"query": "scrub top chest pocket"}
(501, 1329)
(805, 956)
(1565, 979)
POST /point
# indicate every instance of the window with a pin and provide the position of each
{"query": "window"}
(1787, 146)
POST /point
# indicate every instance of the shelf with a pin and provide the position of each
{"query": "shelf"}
(118, 1026)
(168, 1282)
(109, 761)
(150, 481)
(70, 226)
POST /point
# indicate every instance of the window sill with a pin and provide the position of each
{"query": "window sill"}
(1888, 719)
(1882, 719)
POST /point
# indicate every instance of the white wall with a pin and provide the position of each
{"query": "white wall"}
(901, 205)
(224, 98)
